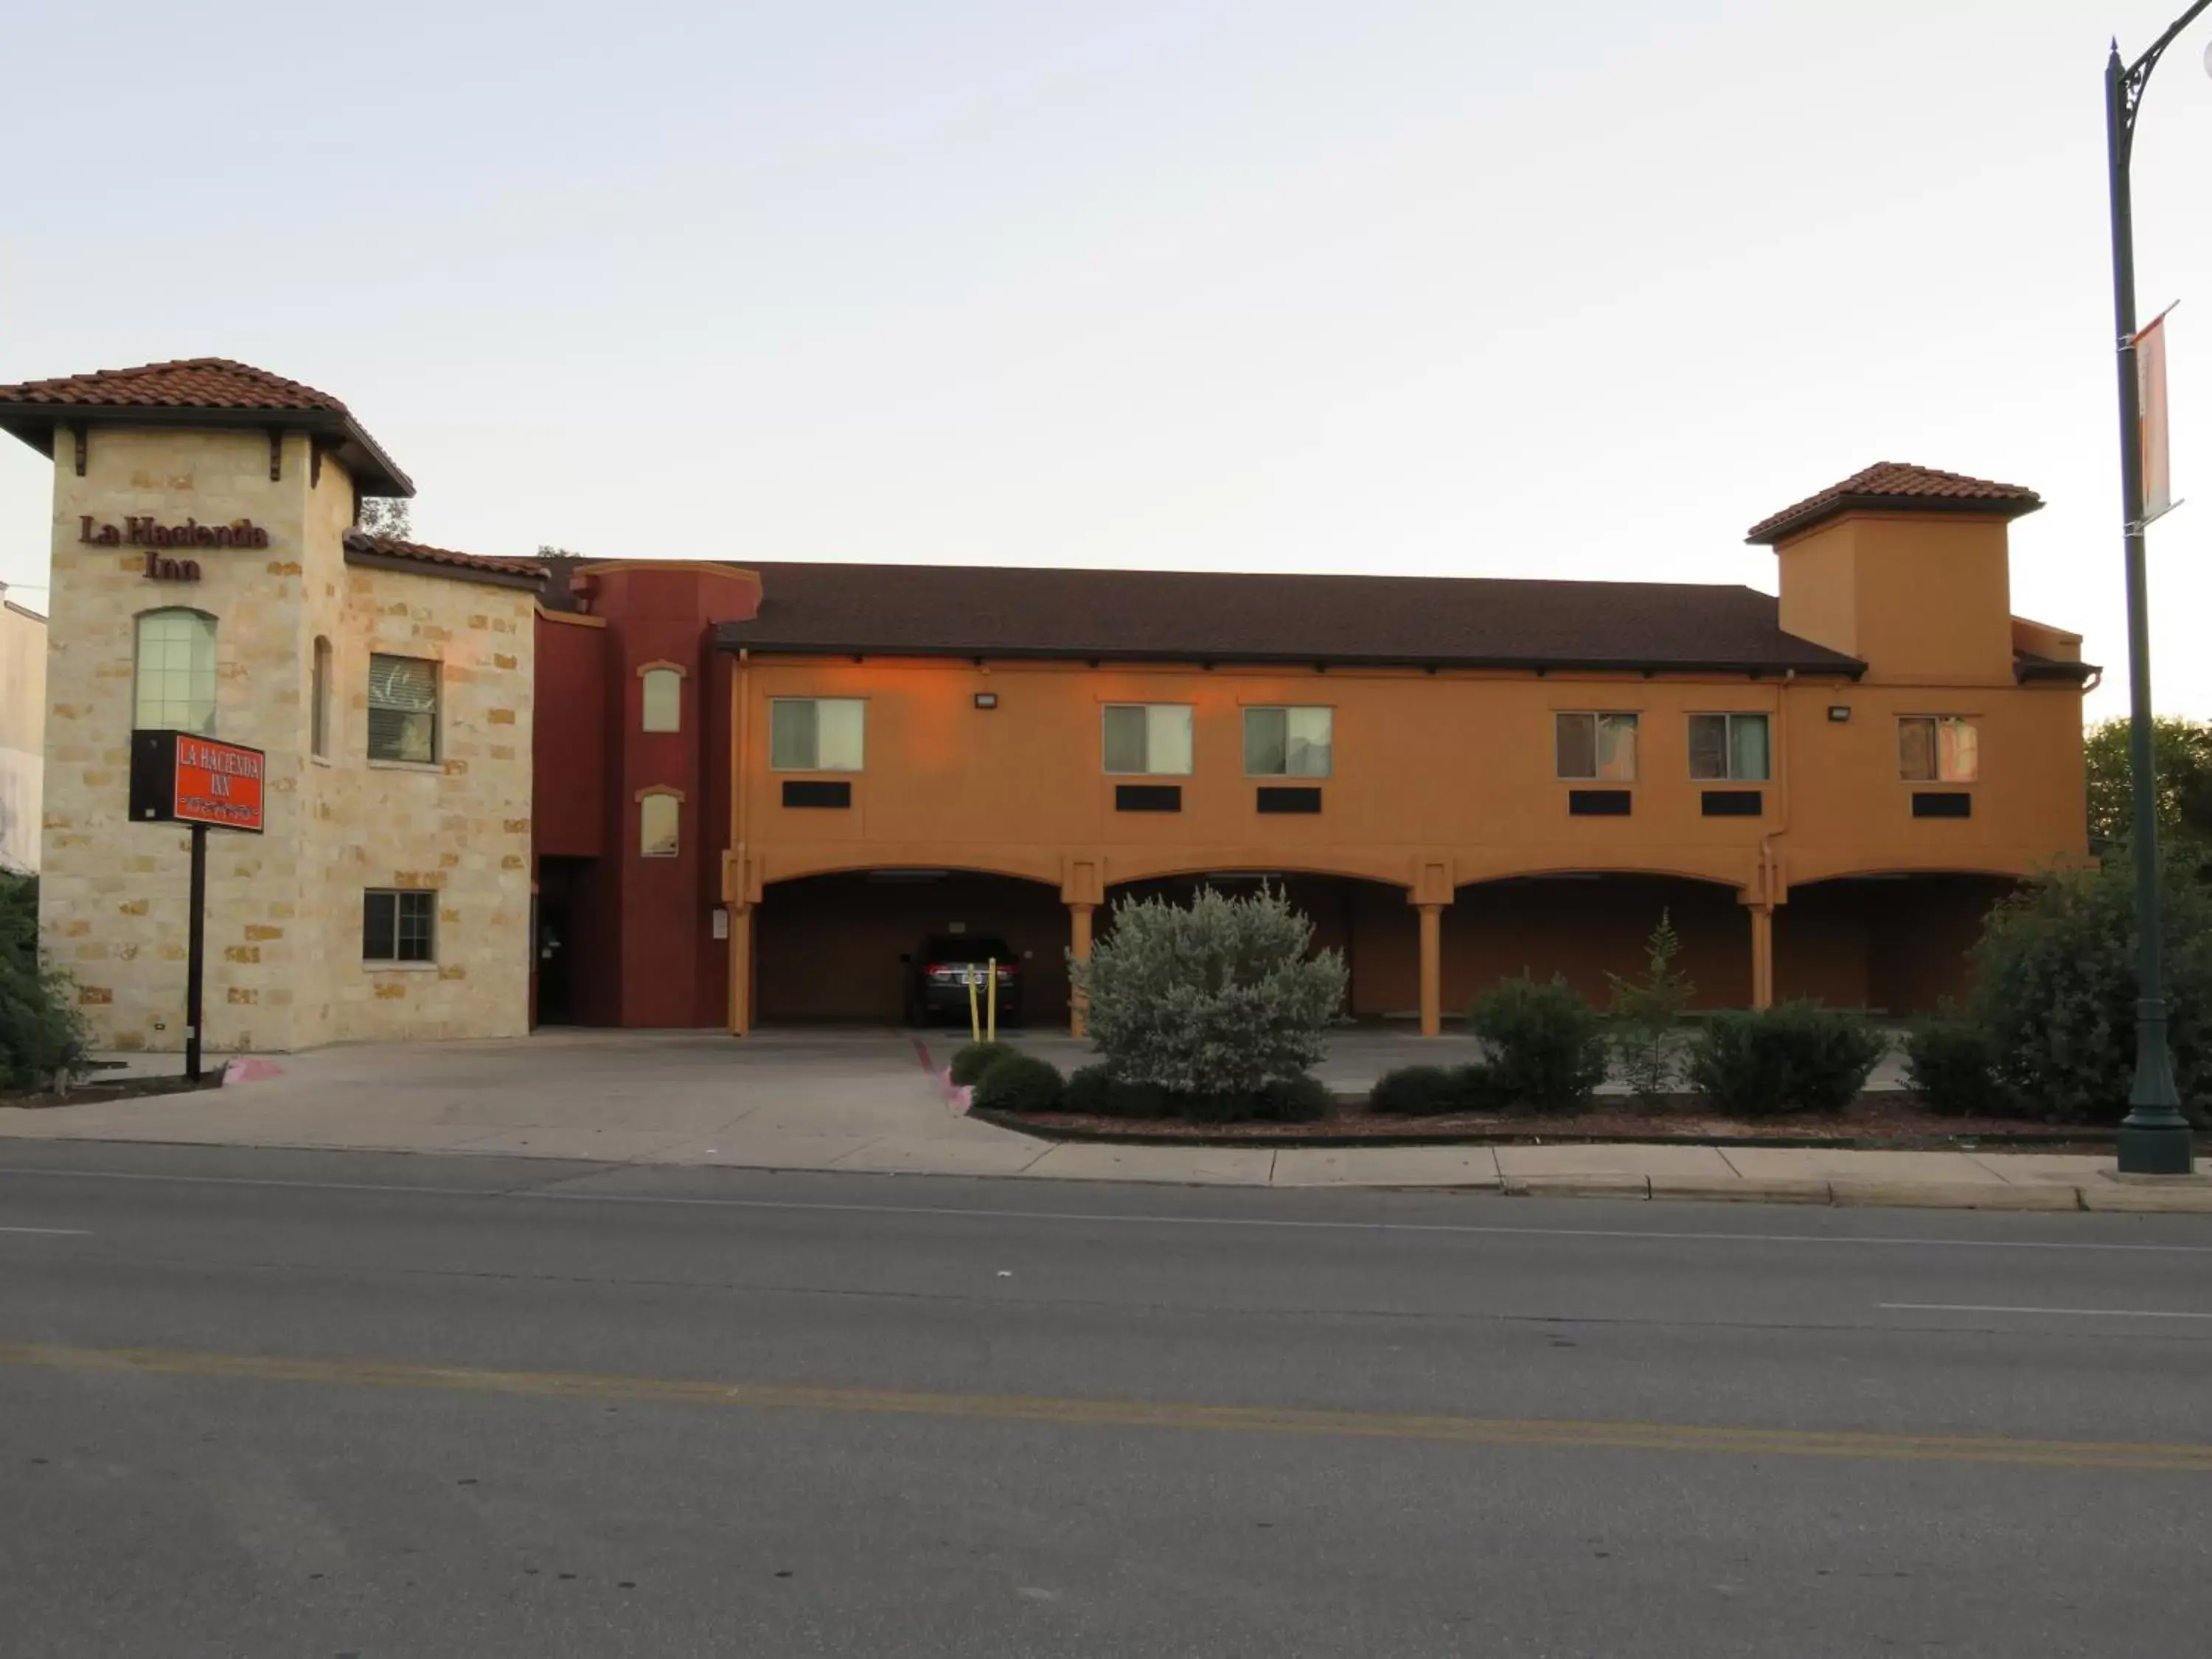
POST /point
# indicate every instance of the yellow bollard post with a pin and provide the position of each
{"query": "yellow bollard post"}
(974, 1020)
(993, 969)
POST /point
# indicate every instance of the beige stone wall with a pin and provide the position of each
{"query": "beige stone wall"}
(283, 927)
(461, 827)
(23, 731)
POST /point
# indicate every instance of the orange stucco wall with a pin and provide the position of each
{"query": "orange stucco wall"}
(1440, 780)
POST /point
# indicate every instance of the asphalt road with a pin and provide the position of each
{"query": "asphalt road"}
(309, 1404)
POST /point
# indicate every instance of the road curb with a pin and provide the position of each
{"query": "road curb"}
(1576, 1186)
(2148, 1201)
(1951, 1195)
(1718, 1189)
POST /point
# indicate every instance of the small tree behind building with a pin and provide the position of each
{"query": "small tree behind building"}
(387, 515)
(1215, 999)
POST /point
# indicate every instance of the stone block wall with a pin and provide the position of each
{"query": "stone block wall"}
(285, 909)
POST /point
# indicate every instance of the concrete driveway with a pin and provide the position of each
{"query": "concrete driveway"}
(856, 1100)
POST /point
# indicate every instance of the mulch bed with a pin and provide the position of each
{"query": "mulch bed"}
(93, 1090)
(1891, 1120)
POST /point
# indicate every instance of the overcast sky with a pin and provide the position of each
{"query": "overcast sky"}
(1450, 288)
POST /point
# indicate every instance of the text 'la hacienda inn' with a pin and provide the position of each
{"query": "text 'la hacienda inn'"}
(675, 792)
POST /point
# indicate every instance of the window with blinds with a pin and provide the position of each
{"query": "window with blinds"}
(403, 710)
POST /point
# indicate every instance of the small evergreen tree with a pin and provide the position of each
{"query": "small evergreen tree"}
(1216, 998)
(1651, 1046)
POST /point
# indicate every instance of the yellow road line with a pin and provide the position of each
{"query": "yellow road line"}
(1124, 1413)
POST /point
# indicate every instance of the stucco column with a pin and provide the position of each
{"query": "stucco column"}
(1432, 968)
(1079, 948)
(1762, 956)
(741, 970)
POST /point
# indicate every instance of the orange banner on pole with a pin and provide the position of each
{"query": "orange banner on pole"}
(2150, 418)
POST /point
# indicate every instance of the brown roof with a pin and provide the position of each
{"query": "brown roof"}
(193, 386)
(1196, 616)
(363, 548)
(1897, 485)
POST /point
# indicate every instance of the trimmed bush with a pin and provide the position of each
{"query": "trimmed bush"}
(43, 1038)
(1301, 1099)
(1949, 1063)
(1096, 1093)
(971, 1059)
(1546, 1045)
(2055, 990)
(1417, 1091)
(1793, 1057)
(1016, 1082)
(1215, 999)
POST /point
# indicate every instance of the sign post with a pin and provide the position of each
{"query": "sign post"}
(177, 777)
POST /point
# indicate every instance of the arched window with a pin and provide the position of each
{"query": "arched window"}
(176, 672)
(664, 698)
(320, 709)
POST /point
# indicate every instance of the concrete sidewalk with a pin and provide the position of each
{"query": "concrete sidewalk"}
(869, 1101)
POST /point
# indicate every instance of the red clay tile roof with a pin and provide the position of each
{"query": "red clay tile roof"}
(187, 383)
(1897, 485)
(31, 409)
(363, 548)
(1162, 615)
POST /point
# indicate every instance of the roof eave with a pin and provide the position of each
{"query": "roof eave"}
(2079, 673)
(373, 470)
(728, 638)
(1774, 532)
(439, 568)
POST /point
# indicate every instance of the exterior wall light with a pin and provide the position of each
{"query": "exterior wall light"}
(1839, 711)
(987, 699)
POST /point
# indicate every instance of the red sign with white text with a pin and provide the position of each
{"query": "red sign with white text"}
(217, 783)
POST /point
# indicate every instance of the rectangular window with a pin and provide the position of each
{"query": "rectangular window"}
(1150, 740)
(403, 710)
(398, 925)
(1728, 747)
(657, 819)
(816, 734)
(1597, 746)
(1938, 749)
(1288, 743)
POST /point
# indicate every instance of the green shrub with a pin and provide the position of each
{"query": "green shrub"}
(42, 1036)
(1016, 1082)
(1951, 1067)
(2055, 990)
(971, 1059)
(1793, 1057)
(1417, 1091)
(1214, 998)
(1301, 1099)
(1651, 1047)
(1096, 1091)
(1547, 1044)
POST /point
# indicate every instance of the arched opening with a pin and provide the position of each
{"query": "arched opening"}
(1893, 944)
(849, 946)
(1581, 927)
(1369, 921)
(174, 683)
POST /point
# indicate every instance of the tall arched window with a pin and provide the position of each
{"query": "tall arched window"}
(319, 707)
(176, 671)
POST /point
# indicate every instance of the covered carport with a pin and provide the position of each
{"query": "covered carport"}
(1892, 944)
(834, 948)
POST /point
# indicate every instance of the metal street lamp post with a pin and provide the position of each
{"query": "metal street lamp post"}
(2154, 1137)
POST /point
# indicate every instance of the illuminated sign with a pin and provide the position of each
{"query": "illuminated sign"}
(178, 778)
